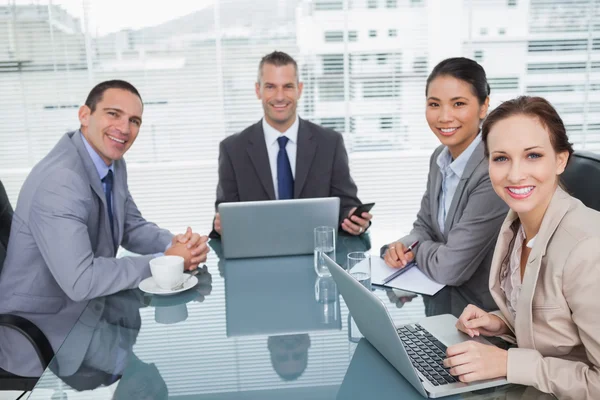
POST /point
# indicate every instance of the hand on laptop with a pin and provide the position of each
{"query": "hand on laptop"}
(217, 223)
(356, 225)
(396, 257)
(473, 361)
(474, 322)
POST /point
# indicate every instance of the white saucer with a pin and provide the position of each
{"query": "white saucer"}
(148, 285)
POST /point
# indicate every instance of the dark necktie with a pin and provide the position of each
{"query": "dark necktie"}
(285, 179)
(108, 184)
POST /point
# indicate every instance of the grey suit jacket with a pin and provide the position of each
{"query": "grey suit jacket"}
(322, 168)
(60, 251)
(461, 255)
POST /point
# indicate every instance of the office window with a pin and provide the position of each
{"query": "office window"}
(420, 65)
(331, 89)
(332, 64)
(503, 83)
(334, 36)
(372, 33)
(326, 5)
(478, 55)
(352, 36)
(372, 3)
(392, 32)
(386, 123)
(337, 123)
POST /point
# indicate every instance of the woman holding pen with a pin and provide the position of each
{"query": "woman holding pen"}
(545, 275)
(460, 216)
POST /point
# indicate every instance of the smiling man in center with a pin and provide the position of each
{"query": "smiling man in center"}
(284, 156)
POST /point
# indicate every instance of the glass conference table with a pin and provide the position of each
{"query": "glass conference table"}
(251, 329)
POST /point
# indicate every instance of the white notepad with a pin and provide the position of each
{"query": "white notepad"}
(412, 280)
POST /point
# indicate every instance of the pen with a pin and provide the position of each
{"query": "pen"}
(406, 268)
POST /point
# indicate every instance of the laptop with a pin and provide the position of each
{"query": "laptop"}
(275, 227)
(415, 350)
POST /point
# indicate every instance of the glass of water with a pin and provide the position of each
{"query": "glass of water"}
(359, 267)
(324, 244)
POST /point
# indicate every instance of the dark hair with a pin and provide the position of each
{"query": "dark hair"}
(466, 70)
(536, 107)
(278, 59)
(97, 92)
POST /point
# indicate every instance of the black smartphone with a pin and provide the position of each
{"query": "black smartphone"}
(363, 208)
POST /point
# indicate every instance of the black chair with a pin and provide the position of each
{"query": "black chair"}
(581, 178)
(28, 329)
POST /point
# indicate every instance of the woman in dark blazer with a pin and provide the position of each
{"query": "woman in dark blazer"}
(460, 216)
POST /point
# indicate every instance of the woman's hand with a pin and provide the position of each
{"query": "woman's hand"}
(473, 361)
(396, 257)
(474, 322)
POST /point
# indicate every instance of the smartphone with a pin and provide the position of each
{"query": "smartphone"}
(363, 208)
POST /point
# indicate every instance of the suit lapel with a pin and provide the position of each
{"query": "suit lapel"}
(435, 195)
(474, 161)
(257, 150)
(306, 150)
(92, 175)
(559, 206)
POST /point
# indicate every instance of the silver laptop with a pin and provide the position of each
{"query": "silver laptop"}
(275, 227)
(404, 346)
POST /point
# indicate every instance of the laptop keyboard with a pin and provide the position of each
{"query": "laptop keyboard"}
(426, 354)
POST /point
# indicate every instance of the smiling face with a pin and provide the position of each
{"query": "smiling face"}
(114, 125)
(279, 91)
(524, 167)
(453, 112)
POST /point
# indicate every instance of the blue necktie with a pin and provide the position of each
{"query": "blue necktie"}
(108, 184)
(285, 179)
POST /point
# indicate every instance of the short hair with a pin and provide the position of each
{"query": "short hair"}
(97, 92)
(466, 70)
(278, 59)
(536, 107)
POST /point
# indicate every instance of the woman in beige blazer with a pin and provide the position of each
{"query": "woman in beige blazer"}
(545, 274)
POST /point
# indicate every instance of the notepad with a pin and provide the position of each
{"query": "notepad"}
(412, 280)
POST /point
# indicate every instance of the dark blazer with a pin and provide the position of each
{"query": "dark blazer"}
(322, 168)
(460, 255)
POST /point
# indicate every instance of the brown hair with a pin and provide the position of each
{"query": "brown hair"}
(278, 59)
(536, 107)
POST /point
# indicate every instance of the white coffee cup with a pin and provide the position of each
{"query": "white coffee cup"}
(167, 271)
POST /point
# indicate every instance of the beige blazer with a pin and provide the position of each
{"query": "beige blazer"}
(557, 324)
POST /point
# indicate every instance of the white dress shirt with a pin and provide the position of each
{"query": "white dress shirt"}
(271, 135)
(452, 171)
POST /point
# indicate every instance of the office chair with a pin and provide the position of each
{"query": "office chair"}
(28, 329)
(581, 178)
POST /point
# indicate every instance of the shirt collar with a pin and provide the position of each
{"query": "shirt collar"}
(99, 163)
(521, 237)
(458, 166)
(271, 134)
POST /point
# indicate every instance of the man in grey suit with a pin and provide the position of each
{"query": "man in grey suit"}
(283, 156)
(73, 213)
